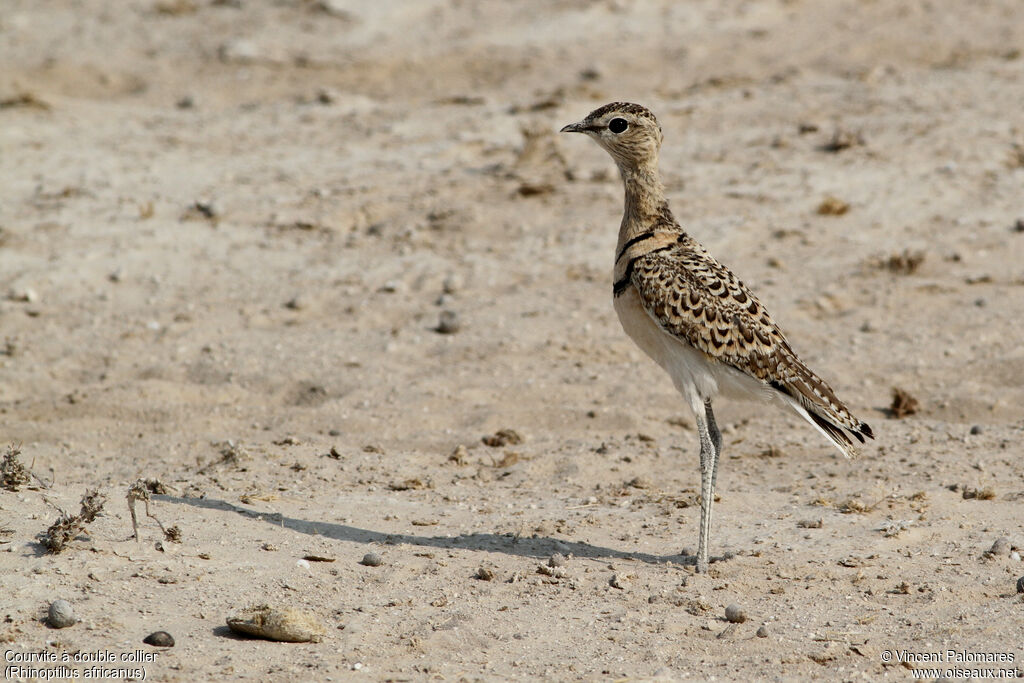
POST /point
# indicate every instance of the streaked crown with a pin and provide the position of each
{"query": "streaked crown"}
(627, 131)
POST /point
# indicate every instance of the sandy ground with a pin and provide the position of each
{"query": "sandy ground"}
(228, 232)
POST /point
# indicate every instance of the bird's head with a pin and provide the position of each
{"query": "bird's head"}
(628, 132)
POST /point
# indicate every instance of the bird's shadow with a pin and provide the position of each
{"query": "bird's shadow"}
(509, 544)
(226, 632)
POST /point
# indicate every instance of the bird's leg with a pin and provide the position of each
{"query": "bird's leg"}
(707, 468)
(716, 440)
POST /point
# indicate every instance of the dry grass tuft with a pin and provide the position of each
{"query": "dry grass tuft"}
(13, 474)
(64, 530)
(903, 403)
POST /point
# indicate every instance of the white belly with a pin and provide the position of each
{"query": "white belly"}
(695, 375)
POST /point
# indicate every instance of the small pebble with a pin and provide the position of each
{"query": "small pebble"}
(202, 208)
(976, 429)
(1001, 547)
(734, 614)
(1015, 556)
(763, 631)
(296, 303)
(832, 206)
(556, 560)
(326, 96)
(484, 574)
(452, 284)
(1020, 585)
(61, 614)
(617, 582)
(340, 9)
(372, 560)
(239, 52)
(25, 295)
(448, 322)
(159, 639)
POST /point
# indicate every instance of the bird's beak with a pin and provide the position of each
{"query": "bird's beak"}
(574, 128)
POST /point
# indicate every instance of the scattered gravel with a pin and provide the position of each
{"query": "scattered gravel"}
(561, 573)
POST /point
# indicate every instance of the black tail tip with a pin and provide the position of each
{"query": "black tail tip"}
(865, 429)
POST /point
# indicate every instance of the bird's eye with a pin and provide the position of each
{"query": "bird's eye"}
(617, 125)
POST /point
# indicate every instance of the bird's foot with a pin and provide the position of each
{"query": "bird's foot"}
(689, 557)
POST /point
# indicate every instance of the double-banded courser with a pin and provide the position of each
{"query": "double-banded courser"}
(692, 316)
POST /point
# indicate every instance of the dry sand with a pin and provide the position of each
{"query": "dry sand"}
(228, 231)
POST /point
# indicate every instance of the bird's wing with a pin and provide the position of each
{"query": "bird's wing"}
(695, 298)
(700, 301)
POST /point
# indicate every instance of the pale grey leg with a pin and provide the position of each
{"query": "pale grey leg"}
(707, 495)
(716, 440)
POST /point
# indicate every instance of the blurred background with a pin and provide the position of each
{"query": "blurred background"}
(305, 225)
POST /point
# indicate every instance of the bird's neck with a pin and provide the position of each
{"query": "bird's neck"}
(645, 200)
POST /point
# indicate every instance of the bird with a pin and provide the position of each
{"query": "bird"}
(692, 316)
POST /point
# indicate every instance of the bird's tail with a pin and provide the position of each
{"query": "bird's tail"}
(813, 399)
